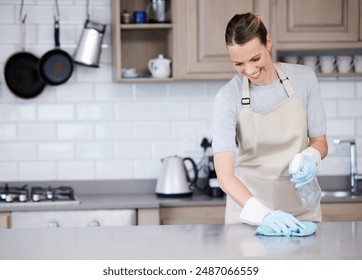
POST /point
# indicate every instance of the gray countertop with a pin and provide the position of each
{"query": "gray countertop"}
(126, 194)
(338, 240)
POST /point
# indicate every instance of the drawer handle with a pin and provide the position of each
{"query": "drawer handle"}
(53, 225)
(94, 223)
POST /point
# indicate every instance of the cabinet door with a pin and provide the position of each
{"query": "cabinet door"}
(192, 215)
(4, 220)
(200, 38)
(336, 212)
(86, 218)
(317, 20)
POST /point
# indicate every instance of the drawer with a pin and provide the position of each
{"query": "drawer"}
(89, 218)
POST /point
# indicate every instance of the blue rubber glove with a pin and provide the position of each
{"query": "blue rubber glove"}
(282, 222)
(306, 174)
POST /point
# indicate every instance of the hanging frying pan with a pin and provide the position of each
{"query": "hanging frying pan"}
(21, 70)
(56, 66)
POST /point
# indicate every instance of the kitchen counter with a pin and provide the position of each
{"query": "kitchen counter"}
(338, 240)
(137, 194)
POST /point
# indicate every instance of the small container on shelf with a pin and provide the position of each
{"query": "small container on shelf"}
(125, 17)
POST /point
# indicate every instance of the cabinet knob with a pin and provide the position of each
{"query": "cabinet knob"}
(53, 225)
(94, 223)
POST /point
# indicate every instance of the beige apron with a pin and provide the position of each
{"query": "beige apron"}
(267, 143)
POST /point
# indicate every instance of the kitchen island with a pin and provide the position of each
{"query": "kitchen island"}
(333, 240)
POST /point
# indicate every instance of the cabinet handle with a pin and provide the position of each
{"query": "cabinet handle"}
(53, 225)
(94, 223)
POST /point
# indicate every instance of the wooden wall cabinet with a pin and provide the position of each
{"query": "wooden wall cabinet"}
(315, 28)
(135, 44)
(201, 52)
(317, 21)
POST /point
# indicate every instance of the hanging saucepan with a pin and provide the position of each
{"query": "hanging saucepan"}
(89, 47)
(56, 66)
(21, 70)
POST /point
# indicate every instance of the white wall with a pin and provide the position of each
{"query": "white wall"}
(92, 128)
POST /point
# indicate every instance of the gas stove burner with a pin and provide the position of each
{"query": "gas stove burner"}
(62, 193)
(14, 194)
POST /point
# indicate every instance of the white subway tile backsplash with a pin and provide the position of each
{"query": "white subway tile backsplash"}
(17, 151)
(95, 150)
(337, 89)
(201, 110)
(113, 92)
(152, 130)
(75, 92)
(359, 89)
(350, 108)
(188, 91)
(8, 171)
(147, 169)
(114, 169)
(56, 112)
(17, 112)
(76, 170)
(359, 128)
(8, 132)
(100, 112)
(94, 128)
(91, 74)
(334, 166)
(167, 110)
(330, 108)
(7, 14)
(133, 111)
(163, 149)
(37, 132)
(179, 128)
(342, 127)
(75, 131)
(37, 171)
(114, 130)
(133, 149)
(155, 91)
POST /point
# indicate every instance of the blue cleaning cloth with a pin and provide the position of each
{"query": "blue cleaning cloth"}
(267, 231)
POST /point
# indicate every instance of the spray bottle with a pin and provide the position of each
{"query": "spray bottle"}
(310, 194)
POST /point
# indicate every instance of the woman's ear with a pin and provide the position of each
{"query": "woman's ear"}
(268, 42)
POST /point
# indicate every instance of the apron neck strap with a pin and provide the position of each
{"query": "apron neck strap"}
(285, 81)
(245, 100)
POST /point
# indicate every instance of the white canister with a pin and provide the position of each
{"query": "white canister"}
(327, 63)
(311, 61)
(344, 63)
(357, 61)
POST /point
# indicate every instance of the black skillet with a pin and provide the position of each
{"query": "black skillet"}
(21, 71)
(56, 66)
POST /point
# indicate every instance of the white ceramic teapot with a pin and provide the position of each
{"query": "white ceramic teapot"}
(160, 67)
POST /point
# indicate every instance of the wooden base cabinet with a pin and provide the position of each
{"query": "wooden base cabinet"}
(192, 215)
(4, 220)
(336, 212)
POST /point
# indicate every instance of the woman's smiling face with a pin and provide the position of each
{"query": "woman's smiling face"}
(253, 60)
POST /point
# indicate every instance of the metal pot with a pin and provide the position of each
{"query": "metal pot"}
(89, 48)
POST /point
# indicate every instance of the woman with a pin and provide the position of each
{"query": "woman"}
(263, 117)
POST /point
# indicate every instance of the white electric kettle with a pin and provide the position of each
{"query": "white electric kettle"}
(160, 67)
(174, 180)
